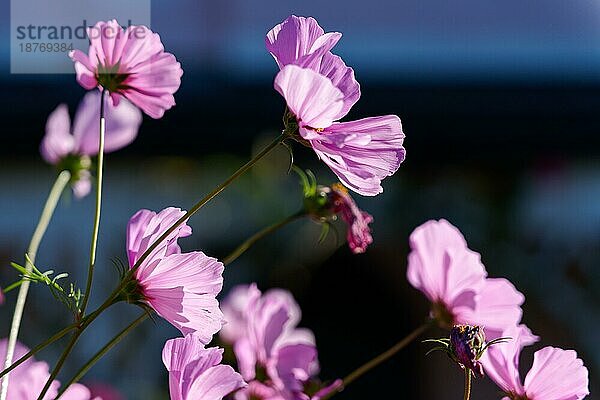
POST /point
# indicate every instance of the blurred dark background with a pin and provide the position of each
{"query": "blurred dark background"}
(500, 105)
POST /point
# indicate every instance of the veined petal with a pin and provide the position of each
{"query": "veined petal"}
(501, 361)
(196, 373)
(342, 77)
(297, 37)
(130, 63)
(215, 383)
(557, 374)
(362, 165)
(311, 97)
(145, 227)
(182, 288)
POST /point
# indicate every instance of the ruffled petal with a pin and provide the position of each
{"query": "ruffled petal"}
(297, 37)
(557, 374)
(501, 361)
(196, 373)
(441, 265)
(136, 65)
(182, 288)
(311, 97)
(145, 227)
(362, 153)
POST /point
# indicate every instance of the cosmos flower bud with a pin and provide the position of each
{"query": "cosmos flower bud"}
(465, 346)
(326, 203)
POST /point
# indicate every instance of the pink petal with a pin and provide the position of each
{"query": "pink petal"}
(195, 373)
(216, 383)
(151, 76)
(145, 227)
(122, 123)
(311, 97)
(362, 153)
(295, 365)
(85, 71)
(182, 288)
(501, 361)
(441, 266)
(234, 307)
(58, 141)
(296, 37)
(498, 307)
(557, 374)
(246, 358)
(342, 77)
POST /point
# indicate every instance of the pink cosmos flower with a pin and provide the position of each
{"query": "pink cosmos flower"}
(131, 63)
(361, 153)
(358, 233)
(70, 147)
(196, 372)
(455, 281)
(1, 297)
(180, 287)
(28, 379)
(319, 89)
(556, 374)
(263, 331)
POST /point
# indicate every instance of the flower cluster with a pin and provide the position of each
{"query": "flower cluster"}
(278, 359)
(455, 281)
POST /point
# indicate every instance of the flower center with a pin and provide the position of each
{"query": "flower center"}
(442, 315)
(110, 78)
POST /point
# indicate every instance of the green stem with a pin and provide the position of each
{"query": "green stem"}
(59, 185)
(241, 249)
(88, 365)
(59, 335)
(96, 228)
(114, 295)
(467, 384)
(243, 169)
(85, 322)
(386, 355)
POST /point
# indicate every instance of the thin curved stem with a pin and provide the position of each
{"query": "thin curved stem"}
(59, 335)
(386, 355)
(241, 249)
(88, 365)
(467, 384)
(62, 180)
(86, 320)
(96, 228)
(215, 192)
